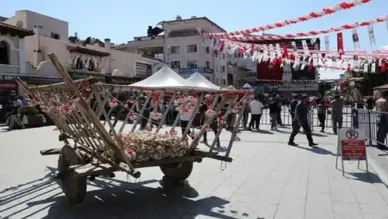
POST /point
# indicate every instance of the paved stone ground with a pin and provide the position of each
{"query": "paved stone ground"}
(267, 179)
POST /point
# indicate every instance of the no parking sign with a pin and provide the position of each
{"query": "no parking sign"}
(351, 146)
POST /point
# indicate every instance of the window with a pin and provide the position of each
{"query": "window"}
(79, 64)
(216, 67)
(175, 64)
(91, 65)
(55, 36)
(175, 49)
(223, 68)
(229, 69)
(207, 64)
(207, 50)
(224, 82)
(223, 55)
(192, 63)
(191, 48)
(183, 33)
(4, 53)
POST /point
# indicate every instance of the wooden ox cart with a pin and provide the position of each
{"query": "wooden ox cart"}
(99, 147)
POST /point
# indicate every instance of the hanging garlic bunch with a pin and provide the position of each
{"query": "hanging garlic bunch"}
(143, 146)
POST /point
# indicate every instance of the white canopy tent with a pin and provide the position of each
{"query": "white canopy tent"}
(200, 81)
(247, 86)
(166, 78)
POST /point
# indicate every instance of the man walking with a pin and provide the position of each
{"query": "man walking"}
(293, 104)
(382, 122)
(300, 120)
(336, 112)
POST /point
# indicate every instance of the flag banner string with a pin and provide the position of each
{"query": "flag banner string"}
(310, 16)
(303, 34)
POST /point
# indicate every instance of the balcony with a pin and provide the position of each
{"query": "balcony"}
(9, 69)
(143, 42)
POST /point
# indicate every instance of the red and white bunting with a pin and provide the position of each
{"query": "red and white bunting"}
(310, 16)
(304, 34)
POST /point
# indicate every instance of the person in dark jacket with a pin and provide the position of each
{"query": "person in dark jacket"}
(301, 113)
(293, 104)
(273, 113)
(279, 110)
(213, 125)
(322, 110)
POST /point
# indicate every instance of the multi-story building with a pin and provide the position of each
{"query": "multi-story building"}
(12, 57)
(81, 58)
(179, 43)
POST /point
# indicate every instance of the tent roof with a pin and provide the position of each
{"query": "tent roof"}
(246, 85)
(200, 81)
(166, 78)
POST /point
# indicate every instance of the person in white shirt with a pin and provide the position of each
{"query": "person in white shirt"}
(256, 108)
(184, 119)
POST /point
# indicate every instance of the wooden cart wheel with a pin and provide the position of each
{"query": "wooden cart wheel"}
(73, 186)
(177, 172)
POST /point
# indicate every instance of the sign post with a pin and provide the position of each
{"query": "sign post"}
(351, 147)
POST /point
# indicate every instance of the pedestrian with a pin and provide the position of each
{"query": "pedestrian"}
(256, 108)
(293, 104)
(279, 110)
(382, 120)
(246, 115)
(144, 117)
(336, 112)
(213, 125)
(370, 103)
(321, 109)
(300, 120)
(185, 117)
(273, 113)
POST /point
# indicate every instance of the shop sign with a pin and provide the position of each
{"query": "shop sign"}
(193, 70)
(40, 80)
(79, 75)
(121, 80)
(5, 77)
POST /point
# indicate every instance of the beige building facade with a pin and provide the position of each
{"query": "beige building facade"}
(52, 36)
(181, 45)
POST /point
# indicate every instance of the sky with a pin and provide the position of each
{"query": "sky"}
(121, 20)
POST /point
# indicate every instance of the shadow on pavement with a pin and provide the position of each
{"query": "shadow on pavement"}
(367, 177)
(113, 199)
(317, 150)
(301, 133)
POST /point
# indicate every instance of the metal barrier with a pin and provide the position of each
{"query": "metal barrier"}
(287, 121)
(374, 123)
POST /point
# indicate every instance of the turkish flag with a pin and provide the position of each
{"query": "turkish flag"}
(340, 43)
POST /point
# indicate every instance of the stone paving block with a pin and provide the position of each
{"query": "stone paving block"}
(263, 210)
(225, 191)
(375, 208)
(271, 193)
(295, 191)
(319, 206)
(346, 210)
(291, 209)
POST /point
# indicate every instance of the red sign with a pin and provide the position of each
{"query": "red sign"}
(7, 85)
(353, 148)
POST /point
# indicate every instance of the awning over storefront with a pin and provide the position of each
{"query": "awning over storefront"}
(110, 79)
(40, 80)
(81, 75)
